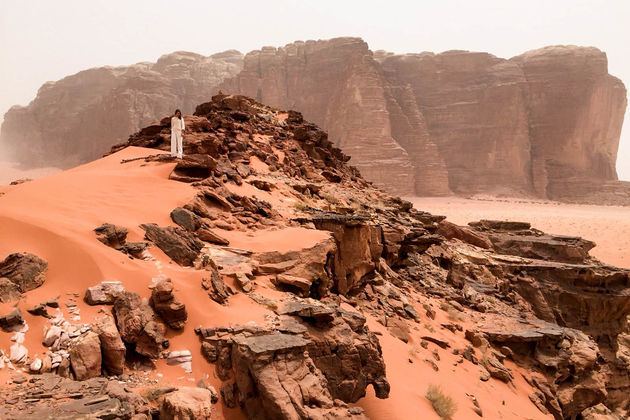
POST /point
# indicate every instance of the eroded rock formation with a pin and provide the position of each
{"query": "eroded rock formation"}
(545, 123)
(460, 299)
(101, 106)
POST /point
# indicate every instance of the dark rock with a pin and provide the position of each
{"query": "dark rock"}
(186, 219)
(180, 245)
(138, 324)
(111, 235)
(26, 271)
(11, 320)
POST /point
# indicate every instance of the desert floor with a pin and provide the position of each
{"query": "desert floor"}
(608, 226)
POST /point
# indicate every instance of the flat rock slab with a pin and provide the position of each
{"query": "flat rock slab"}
(271, 343)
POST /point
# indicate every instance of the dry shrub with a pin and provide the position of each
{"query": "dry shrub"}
(442, 404)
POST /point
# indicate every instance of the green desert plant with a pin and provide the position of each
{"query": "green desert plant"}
(442, 404)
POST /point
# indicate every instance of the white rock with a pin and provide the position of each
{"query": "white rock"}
(18, 337)
(36, 366)
(52, 335)
(18, 353)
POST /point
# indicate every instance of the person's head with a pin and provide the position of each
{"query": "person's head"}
(178, 114)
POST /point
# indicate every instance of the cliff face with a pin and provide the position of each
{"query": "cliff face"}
(78, 118)
(545, 123)
(575, 116)
(336, 84)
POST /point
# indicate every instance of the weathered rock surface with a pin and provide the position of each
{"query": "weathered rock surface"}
(26, 271)
(138, 324)
(180, 245)
(107, 104)
(186, 403)
(429, 124)
(166, 304)
(589, 127)
(11, 320)
(112, 347)
(104, 293)
(85, 356)
(50, 397)
(297, 375)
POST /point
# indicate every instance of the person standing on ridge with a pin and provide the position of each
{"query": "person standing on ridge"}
(177, 130)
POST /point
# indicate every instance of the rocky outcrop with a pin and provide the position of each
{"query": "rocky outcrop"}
(545, 123)
(139, 325)
(116, 237)
(107, 104)
(93, 398)
(19, 273)
(104, 293)
(167, 305)
(576, 112)
(85, 356)
(180, 245)
(186, 404)
(288, 373)
(112, 347)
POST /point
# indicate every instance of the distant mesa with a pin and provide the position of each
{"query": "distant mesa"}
(542, 124)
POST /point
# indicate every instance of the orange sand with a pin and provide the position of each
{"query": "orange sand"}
(608, 226)
(409, 381)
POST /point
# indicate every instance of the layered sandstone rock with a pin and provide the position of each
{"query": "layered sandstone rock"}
(101, 106)
(545, 123)
(576, 112)
(458, 121)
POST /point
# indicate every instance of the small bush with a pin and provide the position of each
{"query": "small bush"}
(301, 206)
(442, 404)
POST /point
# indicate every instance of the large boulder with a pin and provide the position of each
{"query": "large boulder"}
(11, 320)
(85, 356)
(186, 403)
(26, 271)
(111, 235)
(179, 244)
(112, 347)
(319, 358)
(104, 293)
(139, 324)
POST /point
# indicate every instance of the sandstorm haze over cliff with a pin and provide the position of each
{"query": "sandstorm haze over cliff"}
(41, 40)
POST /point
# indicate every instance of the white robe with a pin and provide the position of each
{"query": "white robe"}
(177, 125)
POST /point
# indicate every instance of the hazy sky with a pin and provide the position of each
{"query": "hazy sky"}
(47, 40)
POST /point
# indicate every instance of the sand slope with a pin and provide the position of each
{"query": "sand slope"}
(54, 218)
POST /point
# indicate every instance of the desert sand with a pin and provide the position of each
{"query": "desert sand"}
(607, 226)
(54, 218)
(10, 172)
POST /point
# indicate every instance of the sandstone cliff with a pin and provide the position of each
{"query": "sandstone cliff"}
(78, 118)
(545, 123)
